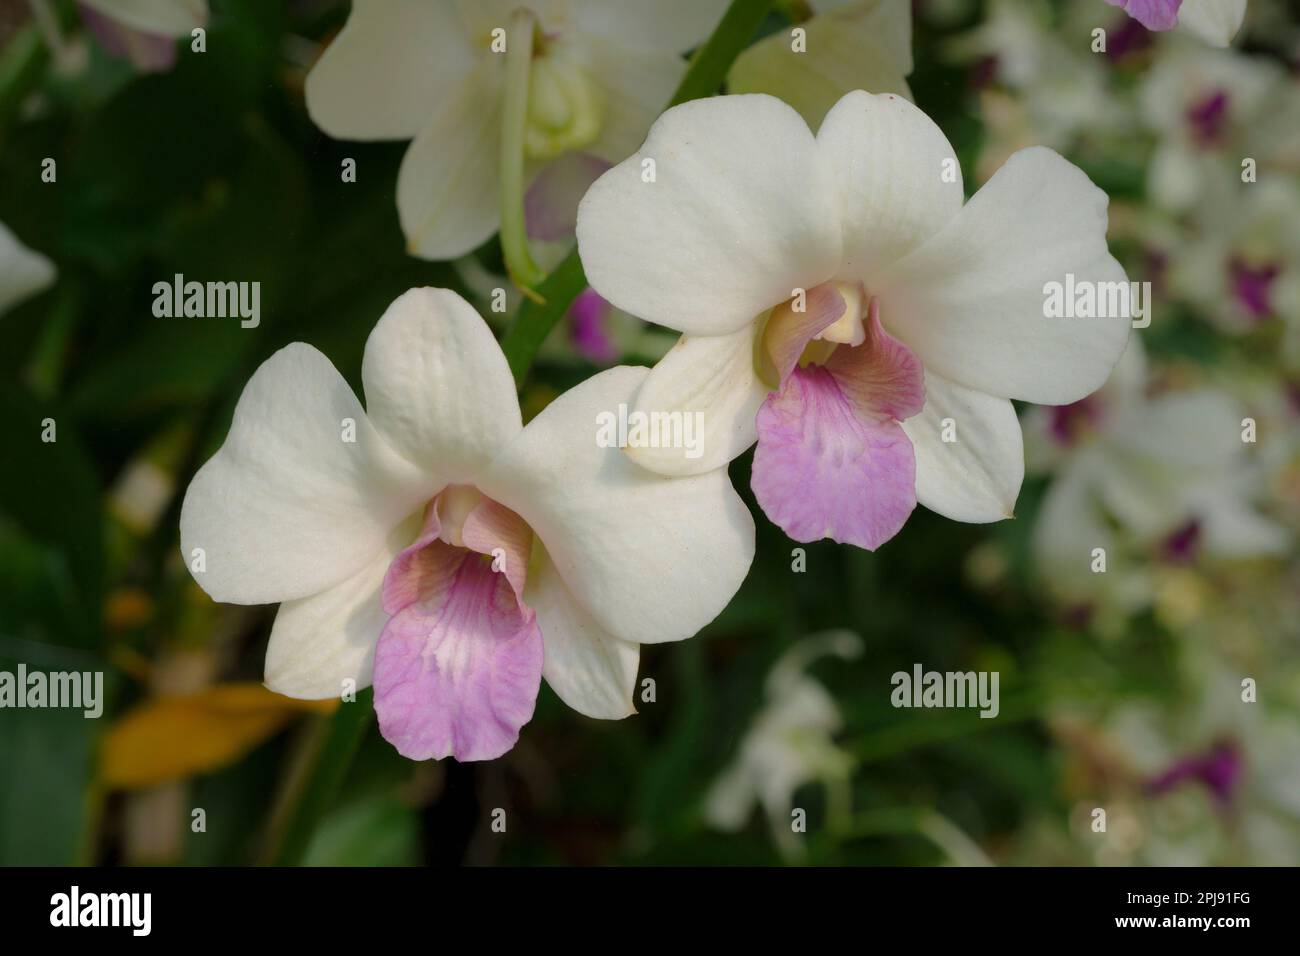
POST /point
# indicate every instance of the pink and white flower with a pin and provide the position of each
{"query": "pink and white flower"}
(433, 545)
(922, 316)
(1214, 21)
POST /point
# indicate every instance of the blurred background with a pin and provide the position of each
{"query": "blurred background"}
(1120, 690)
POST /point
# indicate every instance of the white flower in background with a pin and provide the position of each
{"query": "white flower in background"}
(846, 45)
(750, 217)
(1168, 475)
(23, 271)
(1240, 265)
(433, 541)
(1214, 21)
(790, 743)
(1037, 87)
(425, 70)
(1207, 109)
(143, 31)
(1215, 779)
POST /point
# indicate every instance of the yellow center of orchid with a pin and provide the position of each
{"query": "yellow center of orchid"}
(791, 322)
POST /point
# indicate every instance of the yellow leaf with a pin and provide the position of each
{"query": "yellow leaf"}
(174, 737)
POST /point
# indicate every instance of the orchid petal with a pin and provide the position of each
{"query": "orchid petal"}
(382, 75)
(438, 386)
(971, 300)
(591, 670)
(458, 668)
(649, 558)
(289, 506)
(448, 184)
(711, 377)
(318, 643)
(724, 211)
(23, 271)
(976, 477)
(897, 175)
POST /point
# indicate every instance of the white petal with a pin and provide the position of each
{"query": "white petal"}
(711, 379)
(898, 177)
(287, 507)
(977, 477)
(669, 26)
(737, 210)
(387, 70)
(321, 641)
(634, 86)
(172, 18)
(970, 301)
(1069, 526)
(591, 670)
(448, 186)
(1214, 21)
(650, 558)
(23, 271)
(1234, 529)
(438, 386)
(843, 53)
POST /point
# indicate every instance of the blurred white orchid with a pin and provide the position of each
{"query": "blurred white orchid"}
(23, 271)
(1037, 87)
(1207, 109)
(1168, 475)
(1214, 21)
(790, 743)
(1239, 260)
(433, 544)
(593, 75)
(143, 31)
(1213, 778)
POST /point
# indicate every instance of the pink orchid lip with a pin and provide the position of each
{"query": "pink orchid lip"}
(1152, 14)
(459, 663)
(832, 459)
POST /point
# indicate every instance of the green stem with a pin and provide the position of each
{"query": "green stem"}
(535, 319)
(514, 123)
(22, 63)
(934, 826)
(712, 61)
(314, 780)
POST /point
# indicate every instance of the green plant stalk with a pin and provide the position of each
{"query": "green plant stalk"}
(314, 781)
(524, 272)
(22, 64)
(535, 319)
(312, 786)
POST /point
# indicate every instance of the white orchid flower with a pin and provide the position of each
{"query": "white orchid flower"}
(846, 45)
(1214, 21)
(790, 743)
(143, 31)
(434, 545)
(23, 271)
(1241, 266)
(1208, 110)
(1036, 86)
(1218, 777)
(1168, 473)
(916, 308)
(434, 72)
